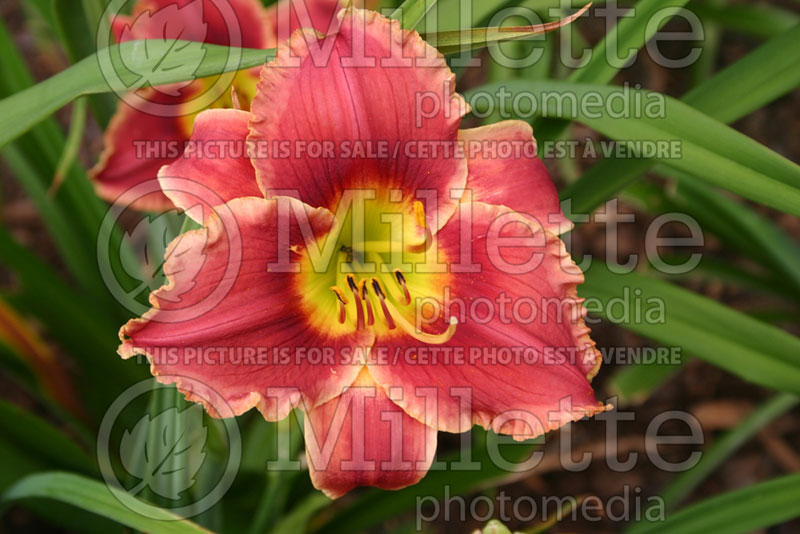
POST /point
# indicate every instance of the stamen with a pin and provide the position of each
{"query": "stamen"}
(342, 303)
(376, 286)
(401, 279)
(431, 339)
(351, 281)
(393, 290)
(339, 294)
(365, 296)
(235, 98)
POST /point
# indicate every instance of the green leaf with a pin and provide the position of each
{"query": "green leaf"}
(737, 227)
(710, 150)
(741, 511)
(43, 293)
(451, 12)
(93, 10)
(76, 29)
(704, 67)
(69, 243)
(759, 78)
(97, 498)
(771, 71)
(634, 383)
(628, 36)
(279, 482)
(412, 12)
(29, 160)
(77, 125)
(74, 213)
(160, 56)
(452, 42)
(741, 228)
(104, 71)
(297, 520)
(41, 440)
(17, 369)
(675, 317)
(17, 463)
(761, 20)
(722, 449)
(83, 328)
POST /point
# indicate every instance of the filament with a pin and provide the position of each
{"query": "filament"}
(376, 286)
(368, 303)
(342, 299)
(351, 281)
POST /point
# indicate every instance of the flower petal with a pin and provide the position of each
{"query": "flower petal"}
(518, 373)
(310, 99)
(363, 438)
(504, 170)
(226, 321)
(118, 25)
(217, 159)
(125, 161)
(241, 23)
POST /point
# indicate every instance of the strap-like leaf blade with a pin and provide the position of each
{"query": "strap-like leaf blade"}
(95, 497)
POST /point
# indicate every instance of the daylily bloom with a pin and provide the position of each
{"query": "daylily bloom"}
(122, 165)
(396, 292)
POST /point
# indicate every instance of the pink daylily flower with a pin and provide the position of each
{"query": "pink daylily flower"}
(121, 166)
(416, 275)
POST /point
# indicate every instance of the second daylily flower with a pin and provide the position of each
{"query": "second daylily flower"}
(125, 162)
(397, 284)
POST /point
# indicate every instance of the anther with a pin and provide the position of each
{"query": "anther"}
(351, 281)
(376, 287)
(401, 280)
